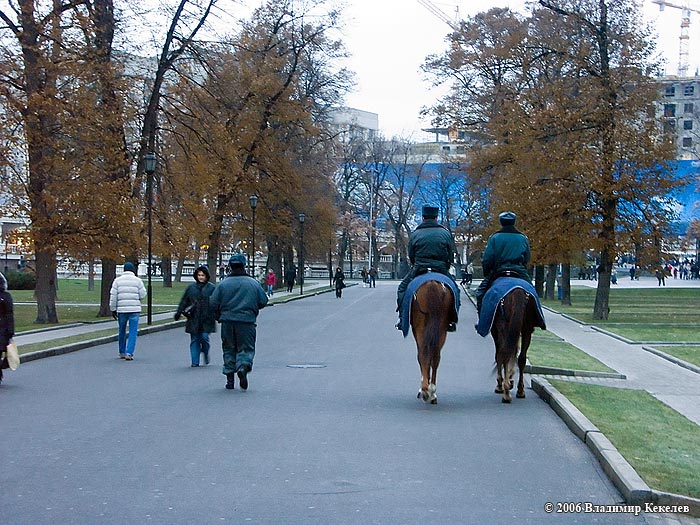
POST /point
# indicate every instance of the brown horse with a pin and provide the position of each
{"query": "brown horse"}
(515, 320)
(431, 313)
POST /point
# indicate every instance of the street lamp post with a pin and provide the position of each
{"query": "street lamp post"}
(302, 219)
(149, 168)
(253, 200)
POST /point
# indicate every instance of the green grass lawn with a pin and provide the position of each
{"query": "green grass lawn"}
(643, 314)
(660, 444)
(689, 354)
(549, 350)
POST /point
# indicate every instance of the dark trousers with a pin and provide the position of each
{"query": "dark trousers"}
(238, 344)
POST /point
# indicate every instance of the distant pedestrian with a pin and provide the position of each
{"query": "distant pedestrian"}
(613, 276)
(364, 274)
(660, 276)
(7, 321)
(290, 277)
(633, 270)
(372, 277)
(270, 281)
(236, 303)
(339, 282)
(200, 319)
(125, 303)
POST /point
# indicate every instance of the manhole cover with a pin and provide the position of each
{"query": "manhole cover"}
(307, 365)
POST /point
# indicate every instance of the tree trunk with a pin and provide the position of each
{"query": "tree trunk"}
(274, 258)
(166, 270)
(45, 286)
(601, 309)
(109, 273)
(179, 267)
(91, 275)
(539, 280)
(566, 284)
(550, 281)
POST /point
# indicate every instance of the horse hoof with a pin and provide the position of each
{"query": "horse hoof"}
(498, 390)
(433, 402)
(520, 395)
(418, 396)
(504, 400)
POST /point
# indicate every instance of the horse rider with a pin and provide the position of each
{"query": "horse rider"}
(430, 247)
(507, 254)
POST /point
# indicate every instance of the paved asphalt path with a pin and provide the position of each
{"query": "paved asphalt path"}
(88, 438)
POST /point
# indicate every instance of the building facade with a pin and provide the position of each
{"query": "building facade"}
(679, 111)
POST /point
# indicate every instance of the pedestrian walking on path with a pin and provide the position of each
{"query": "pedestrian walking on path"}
(271, 282)
(236, 303)
(7, 321)
(125, 303)
(339, 281)
(200, 319)
(290, 277)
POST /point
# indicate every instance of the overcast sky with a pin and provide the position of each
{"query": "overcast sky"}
(389, 40)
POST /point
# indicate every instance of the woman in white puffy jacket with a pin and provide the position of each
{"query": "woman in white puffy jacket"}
(125, 303)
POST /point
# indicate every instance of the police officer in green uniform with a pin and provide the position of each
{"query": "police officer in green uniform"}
(430, 246)
(236, 302)
(507, 254)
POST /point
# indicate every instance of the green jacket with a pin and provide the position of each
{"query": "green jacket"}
(431, 246)
(238, 298)
(507, 249)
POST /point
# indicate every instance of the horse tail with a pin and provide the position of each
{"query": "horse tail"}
(517, 306)
(434, 305)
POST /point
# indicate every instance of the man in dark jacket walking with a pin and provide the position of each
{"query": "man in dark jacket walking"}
(236, 303)
(200, 319)
(507, 254)
(430, 246)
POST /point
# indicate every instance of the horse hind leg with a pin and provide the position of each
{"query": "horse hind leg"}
(508, 380)
(499, 378)
(432, 391)
(424, 392)
(522, 361)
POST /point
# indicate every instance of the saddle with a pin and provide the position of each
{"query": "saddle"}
(500, 287)
(413, 287)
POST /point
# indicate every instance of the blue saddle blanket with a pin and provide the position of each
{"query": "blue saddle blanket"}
(498, 290)
(413, 288)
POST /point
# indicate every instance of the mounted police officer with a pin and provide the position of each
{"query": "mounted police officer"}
(507, 254)
(430, 247)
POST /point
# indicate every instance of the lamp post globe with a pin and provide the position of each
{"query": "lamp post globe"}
(149, 166)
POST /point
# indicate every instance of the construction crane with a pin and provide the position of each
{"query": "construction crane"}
(684, 38)
(430, 6)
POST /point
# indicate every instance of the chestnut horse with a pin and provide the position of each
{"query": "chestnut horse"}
(515, 320)
(431, 313)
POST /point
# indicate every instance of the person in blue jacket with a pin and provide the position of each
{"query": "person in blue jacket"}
(236, 302)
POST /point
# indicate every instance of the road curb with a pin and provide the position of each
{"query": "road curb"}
(632, 487)
(552, 371)
(672, 359)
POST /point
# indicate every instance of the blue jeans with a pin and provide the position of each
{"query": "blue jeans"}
(199, 343)
(128, 346)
